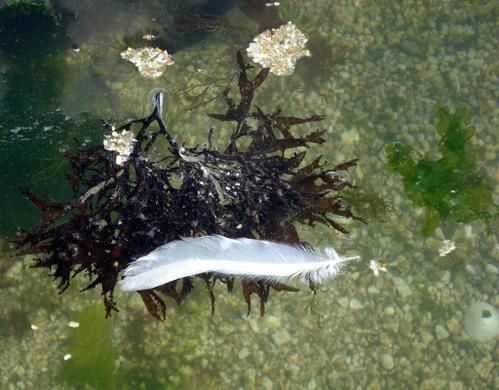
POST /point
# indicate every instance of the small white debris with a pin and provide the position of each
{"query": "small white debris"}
(150, 61)
(34, 327)
(67, 356)
(377, 267)
(273, 4)
(447, 247)
(149, 37)
(73, 324)
(121, 143)
(279, 49)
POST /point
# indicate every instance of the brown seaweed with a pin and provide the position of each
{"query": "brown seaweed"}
(119, 213)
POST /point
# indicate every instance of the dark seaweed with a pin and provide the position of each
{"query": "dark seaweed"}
(120, 213)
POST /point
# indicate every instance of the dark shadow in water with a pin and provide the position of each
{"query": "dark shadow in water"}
(33, 127)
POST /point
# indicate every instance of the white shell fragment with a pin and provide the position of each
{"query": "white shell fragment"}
(73, 324)
(377, 267)
(481, 321)
(121, 143)
(150, 61)
(448, 246)
(279, 49)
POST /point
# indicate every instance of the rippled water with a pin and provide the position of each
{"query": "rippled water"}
(378, 70)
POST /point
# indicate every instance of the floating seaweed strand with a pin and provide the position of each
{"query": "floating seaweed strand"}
(123, 211)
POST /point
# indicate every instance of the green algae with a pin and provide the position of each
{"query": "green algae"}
(452, 187)
(93, 354)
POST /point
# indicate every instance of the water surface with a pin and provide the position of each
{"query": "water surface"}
(378, 70)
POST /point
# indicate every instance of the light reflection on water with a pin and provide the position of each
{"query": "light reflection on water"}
(378, 70)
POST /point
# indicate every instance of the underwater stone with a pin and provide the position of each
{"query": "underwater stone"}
(243, 353)
(402, 287)
(441, 332)
(387, 361)
(481, 321)
(453, 326)
(281, 337)
(355, 304)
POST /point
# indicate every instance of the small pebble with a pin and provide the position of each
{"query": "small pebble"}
(387, 361)
(456, 385)
(281, 337)
(272, 322)
(427, 337)
(453, 326)
(267, 383)
(445, 279)
(389, 310)
(343, 302)
(355, 304)
(491, 269)
(441, 332)
(402, 287)
(243, 353)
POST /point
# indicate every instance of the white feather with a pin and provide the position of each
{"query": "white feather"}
(243, 257)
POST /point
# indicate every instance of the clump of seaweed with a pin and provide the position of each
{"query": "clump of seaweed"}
(452, 187)
(254, 188)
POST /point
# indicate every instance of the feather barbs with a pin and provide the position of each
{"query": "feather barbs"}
(246, 258)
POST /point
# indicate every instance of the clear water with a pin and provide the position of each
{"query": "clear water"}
(378, 70)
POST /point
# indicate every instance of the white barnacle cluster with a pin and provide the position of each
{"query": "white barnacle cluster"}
(150, 61)
(279, 49)
(120, 142)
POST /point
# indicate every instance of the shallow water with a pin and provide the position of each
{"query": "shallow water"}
(378, 70)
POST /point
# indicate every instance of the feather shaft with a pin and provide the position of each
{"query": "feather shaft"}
(243, 257)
